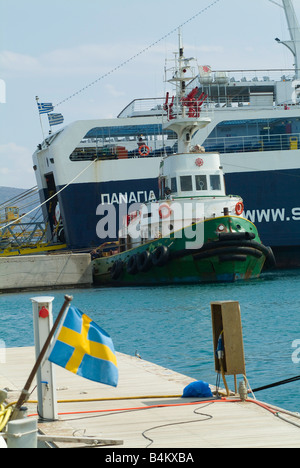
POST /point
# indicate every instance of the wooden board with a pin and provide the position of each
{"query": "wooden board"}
(226, 319)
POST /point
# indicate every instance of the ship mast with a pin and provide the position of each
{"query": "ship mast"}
(184, 123)
(182, 72)
(294, 44)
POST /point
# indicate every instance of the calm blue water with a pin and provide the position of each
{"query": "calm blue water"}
(171, 326)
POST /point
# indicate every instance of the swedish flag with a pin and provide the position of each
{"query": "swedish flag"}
(85, 349)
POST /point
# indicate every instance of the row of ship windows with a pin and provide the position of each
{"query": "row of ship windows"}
(201, 183)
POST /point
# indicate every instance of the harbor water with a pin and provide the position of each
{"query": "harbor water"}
(171, 326)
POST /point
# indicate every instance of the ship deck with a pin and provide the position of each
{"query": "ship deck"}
(146, 410)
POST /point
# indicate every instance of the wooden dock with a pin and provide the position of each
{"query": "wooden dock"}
(146, 410)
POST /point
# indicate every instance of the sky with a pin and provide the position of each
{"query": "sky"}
(52, 49)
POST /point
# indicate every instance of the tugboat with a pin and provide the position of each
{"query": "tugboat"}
(195, 232)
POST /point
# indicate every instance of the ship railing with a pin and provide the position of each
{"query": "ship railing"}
(254, 143)
(157, 107)
(233, 88)
(270, 102)
(258, 79)
(251, 76)
(144, 107)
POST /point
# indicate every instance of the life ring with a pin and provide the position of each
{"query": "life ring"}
(57, 213)
(164, 211)
(144, 150)
(239, 208)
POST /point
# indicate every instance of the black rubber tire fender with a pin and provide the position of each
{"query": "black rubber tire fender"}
(144, 261)
(132, 265)
(116, 270)
(160, 256)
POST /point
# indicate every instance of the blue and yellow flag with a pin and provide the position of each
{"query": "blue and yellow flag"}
(85, 349)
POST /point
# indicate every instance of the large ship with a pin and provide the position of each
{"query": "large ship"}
(93, 171)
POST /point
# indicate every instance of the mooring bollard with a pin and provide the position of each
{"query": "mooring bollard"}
(22, 433)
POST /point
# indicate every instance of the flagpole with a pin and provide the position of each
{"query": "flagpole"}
(37, 100)
(25, 392)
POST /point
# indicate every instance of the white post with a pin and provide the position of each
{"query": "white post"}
(46, 385)
(22, 433)
(37, 100)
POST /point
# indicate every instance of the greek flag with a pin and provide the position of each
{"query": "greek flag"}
(45, 107)
(85, 349)
(55, 119)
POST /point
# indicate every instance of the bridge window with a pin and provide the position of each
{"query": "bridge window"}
(186, 183)
(201, 182)
(215, 182)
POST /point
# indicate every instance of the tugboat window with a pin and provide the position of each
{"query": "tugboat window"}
(186, 183)
(215, 182)
(201, 182)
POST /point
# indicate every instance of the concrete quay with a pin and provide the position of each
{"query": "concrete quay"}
(46, 271)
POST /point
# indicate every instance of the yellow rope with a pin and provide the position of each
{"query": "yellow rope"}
(4, 416)
(89, 400)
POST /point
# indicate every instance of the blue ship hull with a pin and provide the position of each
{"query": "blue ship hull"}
(272, 203)
(80, 202)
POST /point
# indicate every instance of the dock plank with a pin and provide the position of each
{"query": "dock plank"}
(146, 409)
